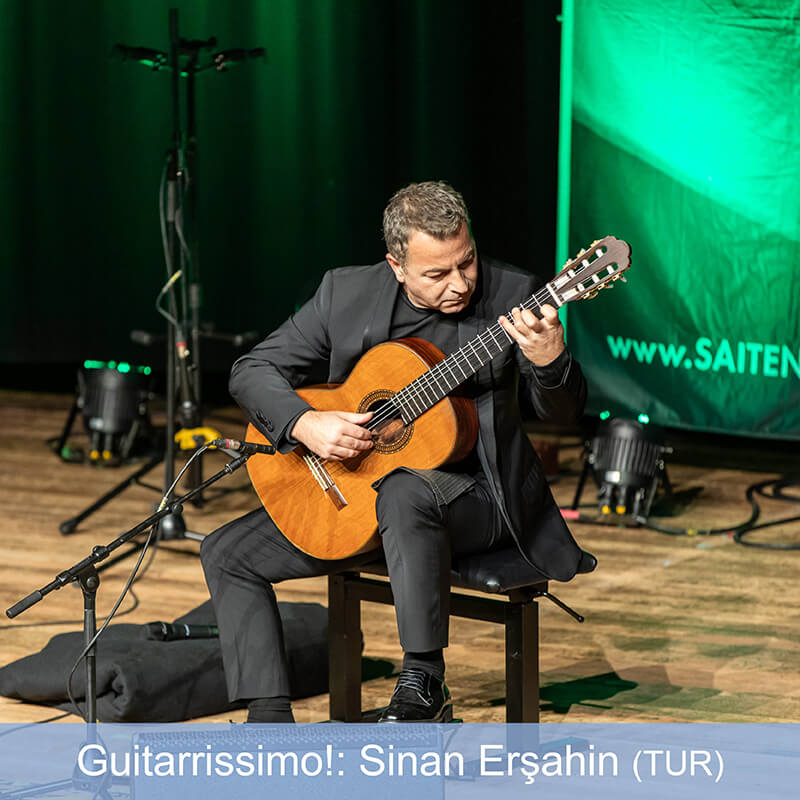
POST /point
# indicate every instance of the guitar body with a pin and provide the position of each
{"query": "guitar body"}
(341, 521)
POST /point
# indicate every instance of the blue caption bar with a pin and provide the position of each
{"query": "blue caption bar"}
(401, 761)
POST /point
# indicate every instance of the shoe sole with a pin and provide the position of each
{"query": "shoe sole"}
(445, 715)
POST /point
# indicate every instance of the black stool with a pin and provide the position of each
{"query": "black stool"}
(503, 572)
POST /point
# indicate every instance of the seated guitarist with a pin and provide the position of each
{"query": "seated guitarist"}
(433, 285)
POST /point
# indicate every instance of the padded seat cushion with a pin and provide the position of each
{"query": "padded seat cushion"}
(494, 573)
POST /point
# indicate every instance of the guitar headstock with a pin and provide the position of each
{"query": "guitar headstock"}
(593, 269)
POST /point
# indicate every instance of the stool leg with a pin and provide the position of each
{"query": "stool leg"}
(522, 662)
(344, 650)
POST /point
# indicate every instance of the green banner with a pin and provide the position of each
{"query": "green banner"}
(686, 124)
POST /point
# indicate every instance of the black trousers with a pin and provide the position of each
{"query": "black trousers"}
(420, 535)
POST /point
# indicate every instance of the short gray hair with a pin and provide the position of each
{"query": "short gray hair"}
(433, 207)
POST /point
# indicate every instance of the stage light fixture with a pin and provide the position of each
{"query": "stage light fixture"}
(113, 398)
(626, 458)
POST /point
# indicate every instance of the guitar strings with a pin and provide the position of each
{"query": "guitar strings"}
(409, 394)
(314, 464)
(430, 378)
(414, 391)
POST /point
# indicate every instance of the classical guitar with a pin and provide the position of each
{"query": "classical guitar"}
(327, 508)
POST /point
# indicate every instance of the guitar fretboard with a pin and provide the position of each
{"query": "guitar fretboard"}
(423, 393)
(582, 277)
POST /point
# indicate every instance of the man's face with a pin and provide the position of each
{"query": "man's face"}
(439, 274)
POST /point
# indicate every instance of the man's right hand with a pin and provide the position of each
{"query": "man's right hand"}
(333, 435)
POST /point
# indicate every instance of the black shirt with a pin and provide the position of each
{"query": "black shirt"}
(441, 330)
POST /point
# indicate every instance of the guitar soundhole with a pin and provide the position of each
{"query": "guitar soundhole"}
(389, 432)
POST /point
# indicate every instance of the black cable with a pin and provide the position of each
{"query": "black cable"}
(778, 485)
(738, 537)
(728, 529)
(156, 544)
(172, 275)
(736, 531)
(777, 494)
(164, 289)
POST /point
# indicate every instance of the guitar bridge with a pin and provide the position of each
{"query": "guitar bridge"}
(336, 497)
(323, 478)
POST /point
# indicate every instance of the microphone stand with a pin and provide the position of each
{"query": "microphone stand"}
(183, 167)
(86, 573)
(185, 331)
(177, 349)
(87, 576)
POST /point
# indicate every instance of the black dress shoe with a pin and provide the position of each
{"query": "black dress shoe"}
(418, 697)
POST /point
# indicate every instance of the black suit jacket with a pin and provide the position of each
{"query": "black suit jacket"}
(351, 312)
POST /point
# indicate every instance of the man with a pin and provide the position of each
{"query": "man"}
(434, 286)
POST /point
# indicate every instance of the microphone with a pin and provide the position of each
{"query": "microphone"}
(144, 55)
(243, 447)
(169, 632)
(235, 56)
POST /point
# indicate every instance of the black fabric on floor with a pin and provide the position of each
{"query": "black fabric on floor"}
(140, 680)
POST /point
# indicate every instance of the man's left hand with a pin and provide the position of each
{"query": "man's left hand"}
(541, 340)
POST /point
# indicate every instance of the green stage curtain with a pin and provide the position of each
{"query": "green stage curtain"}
(297, 154)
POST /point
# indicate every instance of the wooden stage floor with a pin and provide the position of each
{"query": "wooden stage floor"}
(677, 629)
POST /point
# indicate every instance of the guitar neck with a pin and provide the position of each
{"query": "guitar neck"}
(421, 394)
(593, 269)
